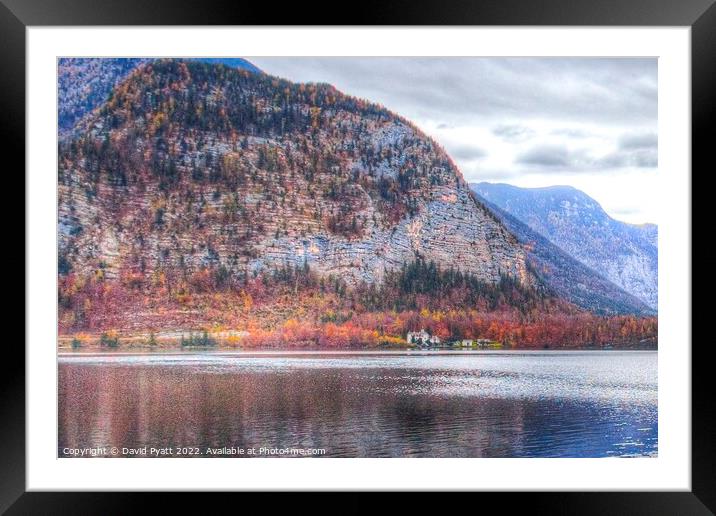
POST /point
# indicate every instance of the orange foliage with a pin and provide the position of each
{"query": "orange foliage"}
(283, 317)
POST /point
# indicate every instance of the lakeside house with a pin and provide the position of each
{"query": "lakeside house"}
(479, 343)
(422, 338)
(487, 343)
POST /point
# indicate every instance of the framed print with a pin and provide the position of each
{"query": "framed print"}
(445, 248)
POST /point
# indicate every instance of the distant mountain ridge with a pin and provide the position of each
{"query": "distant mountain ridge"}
(567, 277)
(86, 82)
(625, 254)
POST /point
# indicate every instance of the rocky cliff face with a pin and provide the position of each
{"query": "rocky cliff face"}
(625, 254)
(193, 167)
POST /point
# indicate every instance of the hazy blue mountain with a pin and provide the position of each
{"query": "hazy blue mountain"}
(625, 254)
(86, 83)
(233, 62)
(567, 277)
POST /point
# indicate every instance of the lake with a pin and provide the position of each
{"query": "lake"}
(377, 404)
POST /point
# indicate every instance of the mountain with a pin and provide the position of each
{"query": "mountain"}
(566, 276)
(192, 169)
(85, 83)
(625, 254)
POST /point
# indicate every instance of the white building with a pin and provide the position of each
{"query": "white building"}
(422, 338)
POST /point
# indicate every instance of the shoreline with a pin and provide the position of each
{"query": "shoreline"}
(234, 351)
(232, 341)
(341, 353)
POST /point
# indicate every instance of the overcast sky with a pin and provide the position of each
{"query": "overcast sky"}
(589, 123)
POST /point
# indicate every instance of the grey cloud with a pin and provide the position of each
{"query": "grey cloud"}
(475, 174)
(579, 97)
(557, 158)
(571, 133)
(545, 156)
(465, 152)
(640, 158)
(600, 90)
(614, 160)
(646, 159)
(639, 141)
(513, 132)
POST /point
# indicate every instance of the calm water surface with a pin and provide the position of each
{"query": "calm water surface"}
(475, 404)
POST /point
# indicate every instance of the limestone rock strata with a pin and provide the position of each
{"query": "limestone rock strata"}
(298, 175)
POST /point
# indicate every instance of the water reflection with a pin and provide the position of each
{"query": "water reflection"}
(595, 404)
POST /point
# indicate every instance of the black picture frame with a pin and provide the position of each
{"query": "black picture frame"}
(700, 15)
